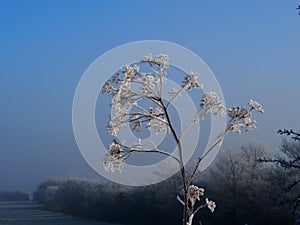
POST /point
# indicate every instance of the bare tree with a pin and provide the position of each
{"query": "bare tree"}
(290, 161)
(243, 187)
(149, 87)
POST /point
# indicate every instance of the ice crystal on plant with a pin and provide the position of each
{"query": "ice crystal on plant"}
(249, 124)
(114, 149)
(162, 61)
(241, 117)
(235, 127)
(255, 105)
(211, 103)
(113, 163)
(136, 124)
(157, 121)
(116, 79)
(173, 93)
(147, 58)
(210, 205)
(148, 82)
(130, 71)
(107, 87)
(237, 113)
(195, 193)
(190, 81)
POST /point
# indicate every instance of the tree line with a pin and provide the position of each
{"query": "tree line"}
(245, 189)
(13, 196)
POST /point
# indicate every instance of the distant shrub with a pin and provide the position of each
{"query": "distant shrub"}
(110, 202)
(13, 196)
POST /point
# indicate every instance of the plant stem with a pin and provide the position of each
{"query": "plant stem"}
(182, 168)
(217, 141)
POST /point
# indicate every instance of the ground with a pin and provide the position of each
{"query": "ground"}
(31, 213)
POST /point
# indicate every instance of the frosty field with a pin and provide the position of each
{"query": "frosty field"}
(31, 213)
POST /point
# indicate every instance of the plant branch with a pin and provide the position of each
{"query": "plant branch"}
(192, 123)
(179, 199)
(130, 149)
(217, 141)
(175, 96)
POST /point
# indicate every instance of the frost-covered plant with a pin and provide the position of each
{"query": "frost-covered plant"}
(131, 86)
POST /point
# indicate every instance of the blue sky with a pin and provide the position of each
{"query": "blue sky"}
(252, 47)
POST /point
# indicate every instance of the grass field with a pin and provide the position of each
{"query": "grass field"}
(31, 213)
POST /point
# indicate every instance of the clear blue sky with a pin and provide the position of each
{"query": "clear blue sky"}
(252, 47)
